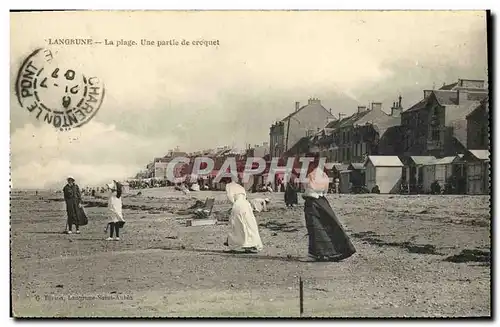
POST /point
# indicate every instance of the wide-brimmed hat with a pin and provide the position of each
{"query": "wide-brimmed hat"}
(70, 177)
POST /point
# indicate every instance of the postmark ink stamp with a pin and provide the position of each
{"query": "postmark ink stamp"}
(56, 94)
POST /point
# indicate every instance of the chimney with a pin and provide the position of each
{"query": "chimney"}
(427, 93)
(361, 109)
(376, 105)
(297, 106)
(399, 103)
(462, 96)
(314, 101)
(330, 111)
(396, 110)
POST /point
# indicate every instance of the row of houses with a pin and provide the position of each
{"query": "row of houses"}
(443, 139)
(157, 169)
(448, 124)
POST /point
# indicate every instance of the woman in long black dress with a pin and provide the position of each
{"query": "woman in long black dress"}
(328, 240)
(291, 193)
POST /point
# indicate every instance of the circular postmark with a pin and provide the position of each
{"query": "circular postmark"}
(56, 94)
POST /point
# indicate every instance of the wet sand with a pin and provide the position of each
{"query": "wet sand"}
(418, 256)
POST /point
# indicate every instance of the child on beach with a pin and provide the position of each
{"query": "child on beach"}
(116, 220)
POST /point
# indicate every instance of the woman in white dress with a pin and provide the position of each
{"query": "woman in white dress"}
(115, 213)
(244, 233)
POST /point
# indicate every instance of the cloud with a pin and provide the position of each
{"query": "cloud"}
(95, 153)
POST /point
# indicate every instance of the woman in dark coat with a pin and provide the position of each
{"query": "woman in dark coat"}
(73, 199)
(291, 193)
(328, 240)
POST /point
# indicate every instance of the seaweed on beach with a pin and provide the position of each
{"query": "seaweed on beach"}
(467, 255)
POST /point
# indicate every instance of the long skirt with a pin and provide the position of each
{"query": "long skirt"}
(76, 215)
(244, 231)
(327, 238)
(291, 196)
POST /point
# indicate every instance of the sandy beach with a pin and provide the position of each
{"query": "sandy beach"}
(417, 256)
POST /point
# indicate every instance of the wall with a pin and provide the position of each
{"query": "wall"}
(277, 139)
(388, 179)
(416, 125)
(477, 130)
(429, 172)
(437, 113)
(442, 172)
(471, 84)
(370, 176)
(476, 178)
(312, 117)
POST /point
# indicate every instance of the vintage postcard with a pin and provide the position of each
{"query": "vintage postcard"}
(250, 164)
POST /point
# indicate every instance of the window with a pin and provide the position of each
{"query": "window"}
(435, 134)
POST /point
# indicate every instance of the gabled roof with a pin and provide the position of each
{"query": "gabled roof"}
(449, 86)
(459, 112)
(334, 124)
(417, 106)
(481, 154)
(484, 104)
(384, 161)
(340, 166)
(422, 160)
(357, 165)
(445, 160)
(311, 105)
(445, 98)
(381, 122)
(353, 119)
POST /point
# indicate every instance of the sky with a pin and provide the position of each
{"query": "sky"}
(198, 97)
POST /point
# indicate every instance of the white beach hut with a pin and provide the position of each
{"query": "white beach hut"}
(384, 171)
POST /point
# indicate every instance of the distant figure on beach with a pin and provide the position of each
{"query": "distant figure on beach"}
(73, 199)
(260, 204)
(115, 214)
(244, 233)
(291, 198)
(327, 239)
